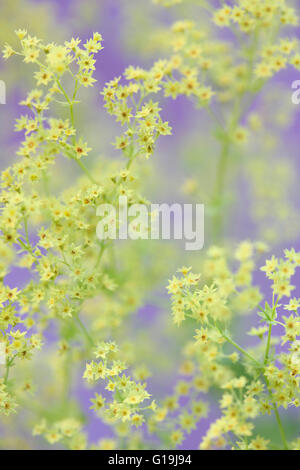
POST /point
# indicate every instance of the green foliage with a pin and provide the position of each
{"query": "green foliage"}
(89, 289)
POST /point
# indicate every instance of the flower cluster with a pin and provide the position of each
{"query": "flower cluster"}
(228, 293)
(251, 15)
(223, 76)
(128, 396)
(267, 381)
(54, 237)
(141, 118)
(7, 402)
(88, 290)
(66, 432)
(180, 413)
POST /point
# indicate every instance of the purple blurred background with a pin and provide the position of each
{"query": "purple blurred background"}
(115, 21)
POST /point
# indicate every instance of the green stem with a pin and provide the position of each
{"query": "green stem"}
(277, 416)
(223, 160)
(71, 103)
(6, 374)
(276, 412)
(101, 251)
(72, 117)
(280, 426)
(219, 189)
(85, 170)
(243, 351)
(63, 91)
(22, 244)
(27, 235)
(268, 345)
(9, 363)
(84, 331)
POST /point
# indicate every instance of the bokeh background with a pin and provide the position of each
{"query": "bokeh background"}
(132, 31)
